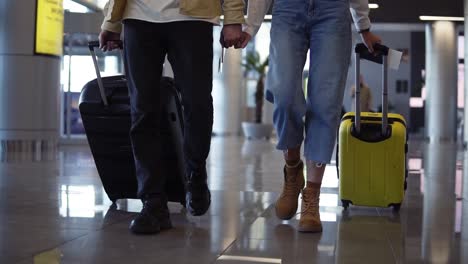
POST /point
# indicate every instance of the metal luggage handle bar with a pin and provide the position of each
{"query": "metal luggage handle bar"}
(92, 45)
(381, 57)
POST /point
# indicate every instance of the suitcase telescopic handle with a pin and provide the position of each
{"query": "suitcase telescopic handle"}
(92, 45)
(380, 56)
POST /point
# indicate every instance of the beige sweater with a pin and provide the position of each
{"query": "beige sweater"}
(233, 11)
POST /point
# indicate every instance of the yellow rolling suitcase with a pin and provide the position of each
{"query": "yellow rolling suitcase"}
(372, 149)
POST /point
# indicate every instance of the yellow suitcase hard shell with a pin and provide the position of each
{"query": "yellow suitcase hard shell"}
(372, 168)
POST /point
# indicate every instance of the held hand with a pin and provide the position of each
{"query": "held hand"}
(231, 35)
(245, 38)
(370, 40)
(109, 40)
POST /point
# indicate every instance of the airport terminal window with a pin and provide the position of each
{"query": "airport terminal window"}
(461, 83)
(262, 40)
(76, 72)
(74, 7)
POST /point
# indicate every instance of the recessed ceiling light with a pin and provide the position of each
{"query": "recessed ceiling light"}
(440, 18)
(373, 6)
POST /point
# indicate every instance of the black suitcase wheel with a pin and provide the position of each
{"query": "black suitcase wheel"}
(113, 206)
(345, 204)
(113, 200)
(396, 207)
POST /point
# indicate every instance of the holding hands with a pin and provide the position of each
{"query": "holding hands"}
(233, 36)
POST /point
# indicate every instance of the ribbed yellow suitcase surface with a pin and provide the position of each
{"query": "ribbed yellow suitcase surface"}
(372, 172)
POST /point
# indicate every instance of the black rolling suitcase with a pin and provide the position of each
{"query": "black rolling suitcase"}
(105, 110)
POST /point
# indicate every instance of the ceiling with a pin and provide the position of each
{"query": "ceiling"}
(95, 5)
(408, 11)
(389, 11)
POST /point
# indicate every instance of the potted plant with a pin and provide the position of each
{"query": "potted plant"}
(257, 129)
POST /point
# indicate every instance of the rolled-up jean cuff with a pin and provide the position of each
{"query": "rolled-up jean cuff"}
(317, 158)
(289, 145)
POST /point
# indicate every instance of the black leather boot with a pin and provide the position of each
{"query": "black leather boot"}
(198, 197)
(153, 218)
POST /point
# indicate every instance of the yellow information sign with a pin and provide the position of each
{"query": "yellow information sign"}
(49, 27)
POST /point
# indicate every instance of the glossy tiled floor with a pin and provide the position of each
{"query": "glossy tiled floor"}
(55, 211)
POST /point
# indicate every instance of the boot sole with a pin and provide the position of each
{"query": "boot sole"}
(142, 231)
(137, 231)
(317, 229)
(198, 211)
(194, 212)
(166, 226)
(150, 232)
(285, 217)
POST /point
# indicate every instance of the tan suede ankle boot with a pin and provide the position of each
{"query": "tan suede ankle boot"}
(310, 214)
(286, 205)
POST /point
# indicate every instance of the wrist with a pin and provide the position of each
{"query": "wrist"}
(249, 30)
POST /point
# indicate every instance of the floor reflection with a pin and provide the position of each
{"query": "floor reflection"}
(80, 201)
(58, 211)
(49, 257)
(439, 203)
(14, 151)
(464, 214)
(369, 236)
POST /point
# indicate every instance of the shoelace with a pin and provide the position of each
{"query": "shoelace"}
(289, 188)
(148, 210)
(310, 207)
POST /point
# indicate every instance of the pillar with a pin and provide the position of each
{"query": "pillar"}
(29, 82)
(441, 81)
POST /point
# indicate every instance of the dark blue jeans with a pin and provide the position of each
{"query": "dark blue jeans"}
(189, 47)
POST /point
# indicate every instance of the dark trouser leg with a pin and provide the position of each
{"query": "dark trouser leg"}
(144, 55)
(191, 56)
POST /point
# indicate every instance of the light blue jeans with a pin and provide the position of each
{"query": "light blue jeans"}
(324, 27)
